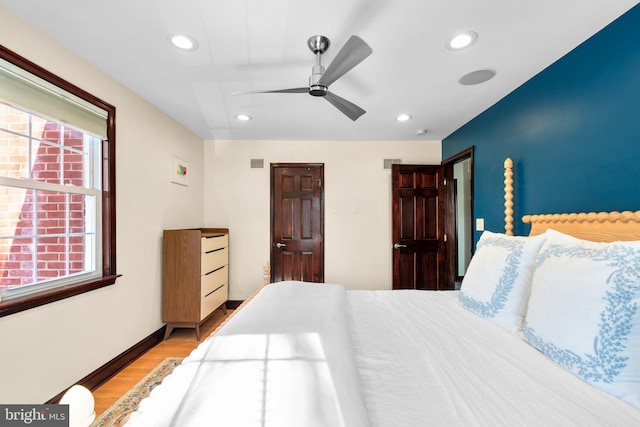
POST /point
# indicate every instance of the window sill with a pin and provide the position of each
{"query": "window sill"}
(36, 300)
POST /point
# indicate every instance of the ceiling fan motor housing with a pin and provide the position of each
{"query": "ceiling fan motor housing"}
(314, 88)
(317, 90)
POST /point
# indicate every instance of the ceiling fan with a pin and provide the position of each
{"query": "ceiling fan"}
(351, 54)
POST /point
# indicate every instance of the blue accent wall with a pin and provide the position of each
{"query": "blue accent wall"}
(573, 132)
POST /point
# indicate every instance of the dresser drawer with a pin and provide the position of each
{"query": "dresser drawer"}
(213, 300)
(213, 260)
(213, 243)
(212, 281)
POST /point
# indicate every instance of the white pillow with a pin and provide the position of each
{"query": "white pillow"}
(583, 311)
(497, 283)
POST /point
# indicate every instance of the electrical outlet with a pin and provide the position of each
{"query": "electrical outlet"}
(479, 224)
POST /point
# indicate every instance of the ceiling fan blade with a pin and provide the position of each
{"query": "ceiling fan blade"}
(351, 54)
(350, 109)
(293, 90)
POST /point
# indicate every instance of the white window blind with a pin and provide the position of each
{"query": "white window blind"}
(34, 94)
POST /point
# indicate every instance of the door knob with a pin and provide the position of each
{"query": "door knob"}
(280, 245)
(398, 246)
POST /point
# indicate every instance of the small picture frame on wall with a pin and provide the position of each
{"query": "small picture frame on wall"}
(179, 171)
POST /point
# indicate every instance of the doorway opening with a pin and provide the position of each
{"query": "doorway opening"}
(458, 170)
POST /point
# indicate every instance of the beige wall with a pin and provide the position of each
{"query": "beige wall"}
(48, 348)
(357, 204)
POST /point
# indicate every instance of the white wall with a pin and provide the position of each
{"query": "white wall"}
(357, 204)
(46, 349)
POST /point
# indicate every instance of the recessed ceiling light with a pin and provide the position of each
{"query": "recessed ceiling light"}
(183, 41)
(462, 40)
(243, 117)
(477, 77)
(421, 131)
(403, 117)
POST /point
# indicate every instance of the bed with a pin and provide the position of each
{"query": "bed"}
(545, 331)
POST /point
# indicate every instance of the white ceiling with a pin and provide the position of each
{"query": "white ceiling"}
(249, 45)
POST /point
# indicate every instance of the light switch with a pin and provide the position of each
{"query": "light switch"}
(479, 224)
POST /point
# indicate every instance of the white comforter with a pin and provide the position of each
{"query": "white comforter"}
(286, 359)
(315, 355)
(425, 360)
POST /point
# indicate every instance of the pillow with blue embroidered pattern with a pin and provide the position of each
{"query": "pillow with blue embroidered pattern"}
(583, 311)
(497, 282)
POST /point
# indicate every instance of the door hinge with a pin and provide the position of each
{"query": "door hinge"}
(445, 238)
(319, 181)
(445, 181)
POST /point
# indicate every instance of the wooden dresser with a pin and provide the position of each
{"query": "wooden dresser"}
(195, 276)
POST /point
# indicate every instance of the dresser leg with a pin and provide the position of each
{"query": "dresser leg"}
(168, 331)
(198, 331)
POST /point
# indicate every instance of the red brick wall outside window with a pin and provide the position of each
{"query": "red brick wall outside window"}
(42, 232)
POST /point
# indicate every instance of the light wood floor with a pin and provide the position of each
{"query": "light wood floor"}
(180, 344)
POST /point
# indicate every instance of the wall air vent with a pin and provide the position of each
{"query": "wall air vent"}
(389, 162)
(257, 164)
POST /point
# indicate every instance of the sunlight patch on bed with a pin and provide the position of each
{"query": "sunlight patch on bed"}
(263, 380)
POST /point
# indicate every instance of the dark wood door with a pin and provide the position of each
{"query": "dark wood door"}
(297, 222)
(418, 227)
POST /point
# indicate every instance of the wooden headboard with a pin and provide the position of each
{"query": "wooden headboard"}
(597, 227)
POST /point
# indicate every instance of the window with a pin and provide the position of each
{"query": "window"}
(57, 188)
